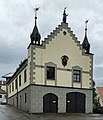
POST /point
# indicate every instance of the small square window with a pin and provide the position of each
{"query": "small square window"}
(50, 73)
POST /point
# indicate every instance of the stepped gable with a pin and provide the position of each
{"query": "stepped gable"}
(57, 30)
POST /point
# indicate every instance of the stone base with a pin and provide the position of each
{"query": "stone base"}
(35, 93)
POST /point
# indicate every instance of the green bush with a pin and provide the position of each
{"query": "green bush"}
(100, 110)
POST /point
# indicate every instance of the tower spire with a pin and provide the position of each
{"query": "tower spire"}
(85, 44)
(35, 36)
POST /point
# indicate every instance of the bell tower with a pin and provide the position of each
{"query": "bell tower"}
(35, 41)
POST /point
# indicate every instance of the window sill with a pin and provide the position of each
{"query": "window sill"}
(50, 79)
(76, 81)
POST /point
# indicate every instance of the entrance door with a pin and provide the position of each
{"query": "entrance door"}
(50, 103)
(75, 102)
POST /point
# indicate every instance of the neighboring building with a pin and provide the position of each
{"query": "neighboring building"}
(7, 76)
(3, 85)
(2, 92)
(56, 76)
(99, 91)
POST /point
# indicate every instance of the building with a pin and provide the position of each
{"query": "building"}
(99, 91)
(57, 75)
(2, 92)
(5, 88)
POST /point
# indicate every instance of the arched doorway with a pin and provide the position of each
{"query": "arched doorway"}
(75, 102)
(50, 103)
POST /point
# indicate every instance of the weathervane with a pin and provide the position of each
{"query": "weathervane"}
(86, 24)
(35, 10)
(64, 15)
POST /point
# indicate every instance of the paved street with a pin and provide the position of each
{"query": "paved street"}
(10, 113)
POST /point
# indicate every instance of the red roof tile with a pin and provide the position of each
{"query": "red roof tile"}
(100, 90)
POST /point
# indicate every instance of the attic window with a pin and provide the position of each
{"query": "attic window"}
(64, 33)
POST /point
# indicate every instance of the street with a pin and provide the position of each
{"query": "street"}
(11, 113)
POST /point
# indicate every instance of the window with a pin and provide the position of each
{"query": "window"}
(10, 88)
(76, 75)
(16, 83)
(64, 32)
(0, 96)
(25, 97)
(50, 72)
(19, 80)
(13, 86)
(13, 102)
(25, 77)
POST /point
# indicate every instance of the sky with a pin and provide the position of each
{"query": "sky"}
(17, 22)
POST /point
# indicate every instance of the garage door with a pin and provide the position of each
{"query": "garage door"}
(75, 102)
(50, 103)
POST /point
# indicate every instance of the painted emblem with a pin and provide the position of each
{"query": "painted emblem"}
(64, 60)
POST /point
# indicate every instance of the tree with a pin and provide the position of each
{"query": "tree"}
(96, 103)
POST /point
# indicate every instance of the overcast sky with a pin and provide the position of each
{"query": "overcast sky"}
(17, 22)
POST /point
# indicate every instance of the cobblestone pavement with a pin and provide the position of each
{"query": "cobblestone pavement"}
(11, 113)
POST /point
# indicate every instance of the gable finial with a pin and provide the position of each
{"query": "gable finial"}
(64, 15)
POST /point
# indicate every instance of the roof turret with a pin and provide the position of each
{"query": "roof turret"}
(35, 36)
(85, 44)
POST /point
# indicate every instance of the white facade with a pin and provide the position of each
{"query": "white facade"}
(60, 63)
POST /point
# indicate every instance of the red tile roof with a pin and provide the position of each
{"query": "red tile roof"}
(100, 91)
